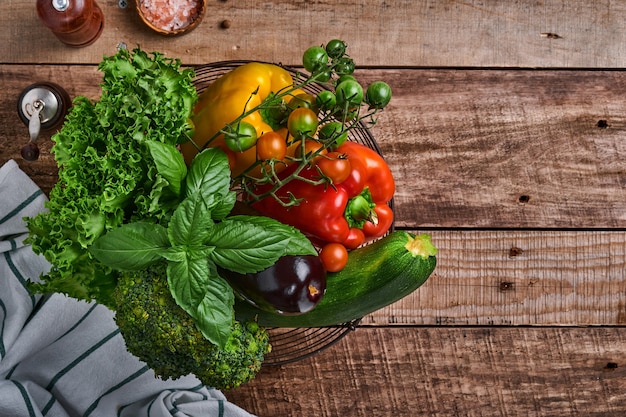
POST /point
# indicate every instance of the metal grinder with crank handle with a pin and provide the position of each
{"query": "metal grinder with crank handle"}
(41, 106)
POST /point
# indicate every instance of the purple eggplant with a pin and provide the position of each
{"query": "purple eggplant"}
(293, 285)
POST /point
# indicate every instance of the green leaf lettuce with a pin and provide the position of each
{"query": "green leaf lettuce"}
(107, 175)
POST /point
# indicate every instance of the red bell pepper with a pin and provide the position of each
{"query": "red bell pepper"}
(331, 213)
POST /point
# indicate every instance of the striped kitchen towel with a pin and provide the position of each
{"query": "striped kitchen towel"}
(62, 357)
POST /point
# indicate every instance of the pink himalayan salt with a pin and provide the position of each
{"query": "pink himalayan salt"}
(170, 15)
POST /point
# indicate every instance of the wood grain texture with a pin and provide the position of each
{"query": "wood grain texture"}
(482, 148)
(518, 174)
(417, 371)
(518, 278)
(506, 148)
(527, 33)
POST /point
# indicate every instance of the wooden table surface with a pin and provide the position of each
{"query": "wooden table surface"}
(507, 139)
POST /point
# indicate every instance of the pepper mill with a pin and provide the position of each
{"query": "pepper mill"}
(76, 23)
(41, 106)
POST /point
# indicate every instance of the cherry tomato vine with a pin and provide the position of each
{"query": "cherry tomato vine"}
(316, 125)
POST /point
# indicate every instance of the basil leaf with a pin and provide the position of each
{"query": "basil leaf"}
(175, 253)
(209, 174)
(188, 280)
(191, 223)
(180, 253)
(132, 246)
(161, 200)
(245, 245)
(224, 206)
(200, 252)
(299, 244)
(169, 163)
(215, 314)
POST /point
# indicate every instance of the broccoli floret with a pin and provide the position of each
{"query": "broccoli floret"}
(159, 332)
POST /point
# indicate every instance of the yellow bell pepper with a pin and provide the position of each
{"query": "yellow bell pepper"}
(226, 99)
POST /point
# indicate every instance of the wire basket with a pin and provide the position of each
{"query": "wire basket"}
(293, 344)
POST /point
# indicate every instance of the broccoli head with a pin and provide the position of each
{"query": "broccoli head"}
(159, 332)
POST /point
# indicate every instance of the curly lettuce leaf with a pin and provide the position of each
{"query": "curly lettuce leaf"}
(107, 176)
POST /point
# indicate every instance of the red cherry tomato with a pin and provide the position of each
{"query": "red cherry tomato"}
(335, 166)
(271, 145)
(334, 256)
(312, 149)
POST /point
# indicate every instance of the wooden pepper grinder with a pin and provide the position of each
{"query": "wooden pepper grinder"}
(76, 23)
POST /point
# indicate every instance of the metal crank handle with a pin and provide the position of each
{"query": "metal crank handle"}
(34, 124)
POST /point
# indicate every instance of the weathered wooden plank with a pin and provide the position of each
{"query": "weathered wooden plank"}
(506, 148)
(435, 371)
(483, 148)
(519, 278)
(527, 33)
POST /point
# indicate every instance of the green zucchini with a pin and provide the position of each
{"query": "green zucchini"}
(375, 276)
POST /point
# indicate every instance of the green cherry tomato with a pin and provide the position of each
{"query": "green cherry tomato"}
(333, 131)
(378, 94)
(241, 137)
(314, 58)
(344, 66)
(277, 113)
(302, 123)
(303, 100)
(349, 93)
(336, 48)
(326, 100)
(343, 78)
(322, 75)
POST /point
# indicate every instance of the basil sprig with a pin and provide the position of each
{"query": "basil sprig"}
(199, 237)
